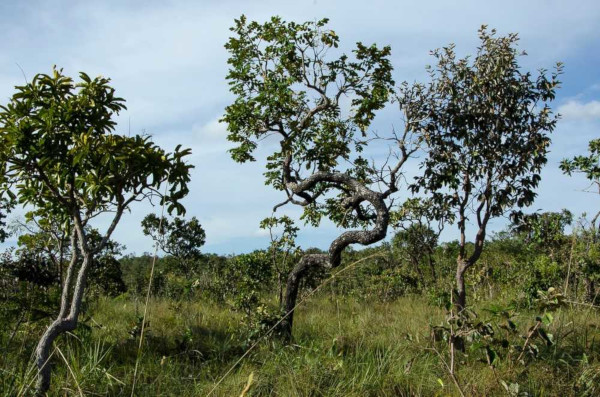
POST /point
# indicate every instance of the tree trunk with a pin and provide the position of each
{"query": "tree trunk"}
(42, 352)
(590, 290)
(63, 323)
(333, 257)
(291, 290)
(432, 268)
(417, 266)
(461, 292)
(280, 289)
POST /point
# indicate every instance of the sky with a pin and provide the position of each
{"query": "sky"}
(167, 59)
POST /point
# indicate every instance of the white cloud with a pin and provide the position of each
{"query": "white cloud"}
(576, 110)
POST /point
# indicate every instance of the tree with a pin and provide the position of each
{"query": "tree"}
(288, 88)
(588, 165)
(283, 248)
(416, 239)
(180, 238)
(45, 240)
(589, 233)
(417, 242)
(485, 126)
(544, 232)
(63, 160)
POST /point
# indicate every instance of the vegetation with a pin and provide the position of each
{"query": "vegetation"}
(62, 160)
(391, 319)
(486, 126)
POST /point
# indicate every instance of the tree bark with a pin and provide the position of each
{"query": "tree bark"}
(42, 352)
(292, 286)
(461, 292)
(63, 322)
(432, 267)
(590, 290)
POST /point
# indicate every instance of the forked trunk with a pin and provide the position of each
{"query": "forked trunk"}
(63, 322)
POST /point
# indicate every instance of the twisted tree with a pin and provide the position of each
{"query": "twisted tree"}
(63, 160)
(314, 110)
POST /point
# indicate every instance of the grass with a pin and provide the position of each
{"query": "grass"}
(343, 347)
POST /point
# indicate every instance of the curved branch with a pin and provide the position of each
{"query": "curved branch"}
(333, 258)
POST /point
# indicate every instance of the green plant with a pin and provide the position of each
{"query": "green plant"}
(287, 85)
(486, 126)
(177, 237)
(64, 162)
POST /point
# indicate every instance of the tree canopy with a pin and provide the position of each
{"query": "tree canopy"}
(485, 126)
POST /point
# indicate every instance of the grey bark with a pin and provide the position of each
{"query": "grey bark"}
(70, 305)
(63, 323)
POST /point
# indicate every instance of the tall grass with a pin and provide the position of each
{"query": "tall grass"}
(343, 347)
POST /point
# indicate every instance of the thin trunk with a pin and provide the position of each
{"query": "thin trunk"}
(42, 352)
(461, 292)
(590, 290)
(432, 268)
(280, 289)
(417, 266)
(63, 322)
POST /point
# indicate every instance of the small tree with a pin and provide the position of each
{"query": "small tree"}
(289, 87)
(283, 249)
(416, 238)
(62, 159)
(177, 237)
(589, 234)
(45, 240)
(588, 165)
(485, 126)
(544, 232)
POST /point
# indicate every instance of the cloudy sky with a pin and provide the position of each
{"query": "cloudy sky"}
(166, 58)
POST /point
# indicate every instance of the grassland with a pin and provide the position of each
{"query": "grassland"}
(342, 347)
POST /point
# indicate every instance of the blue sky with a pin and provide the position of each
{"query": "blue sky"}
(166, 58)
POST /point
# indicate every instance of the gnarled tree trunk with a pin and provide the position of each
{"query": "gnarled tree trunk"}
(333, 258)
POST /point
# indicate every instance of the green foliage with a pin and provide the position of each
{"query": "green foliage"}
(417, 243)
(485, 138)
(544, 231)
(244, 280)
(177, 237)
(286, 83)
(589, 164)
(61, 155)
(106, 276)
(283, 250)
